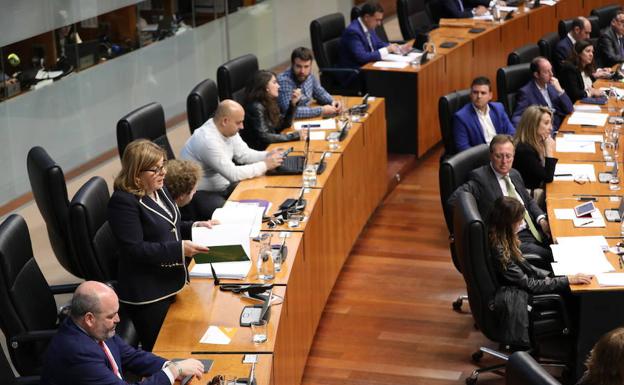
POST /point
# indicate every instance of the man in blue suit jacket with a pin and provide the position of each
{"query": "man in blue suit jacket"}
(85, 350)
(478, 122)
(359, 43)
(458, 9)
(543, 90)
(581, 29)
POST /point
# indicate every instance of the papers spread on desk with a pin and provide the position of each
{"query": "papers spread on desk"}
(321, 124)
(610, 279)
(487, 16)
(248, 215)
(218, 335)
(508, 9)
(410, 57)
(588, 118)
(564, 214)
(222, 240)
(591, 240)
(583, 138)
(390, 64)
(587, 108)
(548, 2)
(317, 135)
(579, 258)
(569, 172)
(595, 219)
(566, 145)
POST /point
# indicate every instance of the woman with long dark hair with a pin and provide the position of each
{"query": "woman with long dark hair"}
(578, 72)
(263, 124)
(605, 364)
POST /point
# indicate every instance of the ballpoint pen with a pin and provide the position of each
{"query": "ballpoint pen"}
(586, 223)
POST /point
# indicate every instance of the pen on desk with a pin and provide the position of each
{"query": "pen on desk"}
(586, 223)
(563, 175)
(620, 261)
(311, 126)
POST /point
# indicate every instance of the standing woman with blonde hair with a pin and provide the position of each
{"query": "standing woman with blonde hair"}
(605, 364)
(535, 147)
(152, 238)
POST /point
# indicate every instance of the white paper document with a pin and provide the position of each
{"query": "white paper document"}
(508, 9)
(487, 17)
(575, 258)
(564, 214)
(565, 145)
(588, 118)
(218, 335)
(569, 171)
(596, 220)
(222, 235)
(591, 240)
(390, 64)
(321, 124)
(587, 108)
(583, 138)
(548, 2)
(402, 58)
(247, 215)
(317, 135)
(610, 279)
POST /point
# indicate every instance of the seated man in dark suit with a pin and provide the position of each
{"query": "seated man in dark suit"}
(488, 183)
(478, 122)
(581, 29)
(611, 42)
(458, 9)
(543, 90)
(360, 44)
(85, 350)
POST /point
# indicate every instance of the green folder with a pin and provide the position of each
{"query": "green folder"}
(227, 253)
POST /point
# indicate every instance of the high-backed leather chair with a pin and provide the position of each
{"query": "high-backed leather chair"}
(547, 46)
(201, 103)
(434, 10)
(325, 33)
(605, 14)
(50, 192)
(523, 54)
(7, 377)
(232, 77)
(522, 369)
(29, 316)
(94, 241)
(447, 106)
(147, 122)
(565, 25)
(508, 81)
(548, 316)
(413, 18)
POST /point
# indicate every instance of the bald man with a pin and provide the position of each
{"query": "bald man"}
(224, 156)
(85, 350)
(581, 30)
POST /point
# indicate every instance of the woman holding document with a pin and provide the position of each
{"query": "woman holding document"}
(152, 238)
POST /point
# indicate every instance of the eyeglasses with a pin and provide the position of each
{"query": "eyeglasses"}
(503, 156)
(157, 170)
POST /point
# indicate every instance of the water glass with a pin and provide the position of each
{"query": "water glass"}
(607, 150)
(277, 259)
(333, 142)
(309, 175)
(265, 266)
(259, 332)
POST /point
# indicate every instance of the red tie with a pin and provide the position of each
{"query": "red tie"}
(111, 361)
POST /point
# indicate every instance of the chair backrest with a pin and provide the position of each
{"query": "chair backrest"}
(94, 241)
(201, 103)
(47, 182)
(524, 54)
(447, 106)
(509, 80)
(147, 122)
(565, 25)
(605, 14)
(26, 300)
(471, 242)
(413, 18)
(325, 33)
(522, 369)
(547, 45)
(232, 77)
(434, 10)
(380, 30)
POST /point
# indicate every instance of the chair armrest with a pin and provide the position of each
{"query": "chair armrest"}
(552, 302)
(64, 289)
(37, 335)
(28, 380)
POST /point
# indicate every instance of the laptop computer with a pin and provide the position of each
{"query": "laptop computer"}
(294, 165)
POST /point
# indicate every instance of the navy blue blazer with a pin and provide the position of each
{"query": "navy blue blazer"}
(354, 48)
(151, 263)
(467, 130)
(562, 50)
(450, 9)
(530, 95)
(74, 358)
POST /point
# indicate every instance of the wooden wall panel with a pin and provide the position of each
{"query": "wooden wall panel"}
(541, 21)
(430, 86)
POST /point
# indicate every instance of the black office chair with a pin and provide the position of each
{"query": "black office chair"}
(7, 377)
(94, 241)
(547, 46)
(523, 54)
(380, 30)
(50, 192)
(522, 369)
(565, 25)
(453, 173)
(434, 10)
(29, 317)
(325, 33)
(549, 324)
(509, 80)
(413, 18)
(447, 106)
(605, 14)
(201, 103)
(147, 122)
(232, 77)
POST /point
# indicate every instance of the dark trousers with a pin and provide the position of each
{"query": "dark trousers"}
(530, 245)
(148, 319)
(204, 203)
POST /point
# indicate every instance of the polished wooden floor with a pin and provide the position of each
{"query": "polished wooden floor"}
(389, 318)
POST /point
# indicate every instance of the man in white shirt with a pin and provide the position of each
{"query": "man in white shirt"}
(224, 157)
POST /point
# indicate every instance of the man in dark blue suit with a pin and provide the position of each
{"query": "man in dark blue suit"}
(611, 42)
(543, 90)
(85, 350)
(360, 44)
(581, 29)
(478, 122)
(458, 9)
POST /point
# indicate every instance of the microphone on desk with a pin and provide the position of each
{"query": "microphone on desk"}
(214, 275)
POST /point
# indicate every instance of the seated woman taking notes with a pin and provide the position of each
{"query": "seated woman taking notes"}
(146, 222)
(578, 72)
(263, 124)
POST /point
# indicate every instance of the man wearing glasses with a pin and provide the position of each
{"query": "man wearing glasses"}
(611, 42)
(489, 182)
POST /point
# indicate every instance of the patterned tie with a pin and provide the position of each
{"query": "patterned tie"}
(109, 356)
(511, 192)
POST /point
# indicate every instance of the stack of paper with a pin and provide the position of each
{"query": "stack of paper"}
(579, 258)
(588, 118)
(569, 172)
(583, 138)
(596, 220)
(222, 240)
(610, 279)
(566, 145)
(410, 57)
(587, 108)
(390, 64)
(321, 124)
(246, 216)
(591, 240)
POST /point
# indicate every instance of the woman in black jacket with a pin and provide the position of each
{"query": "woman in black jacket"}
(263, 123)
(578, 72)
(506, 218)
